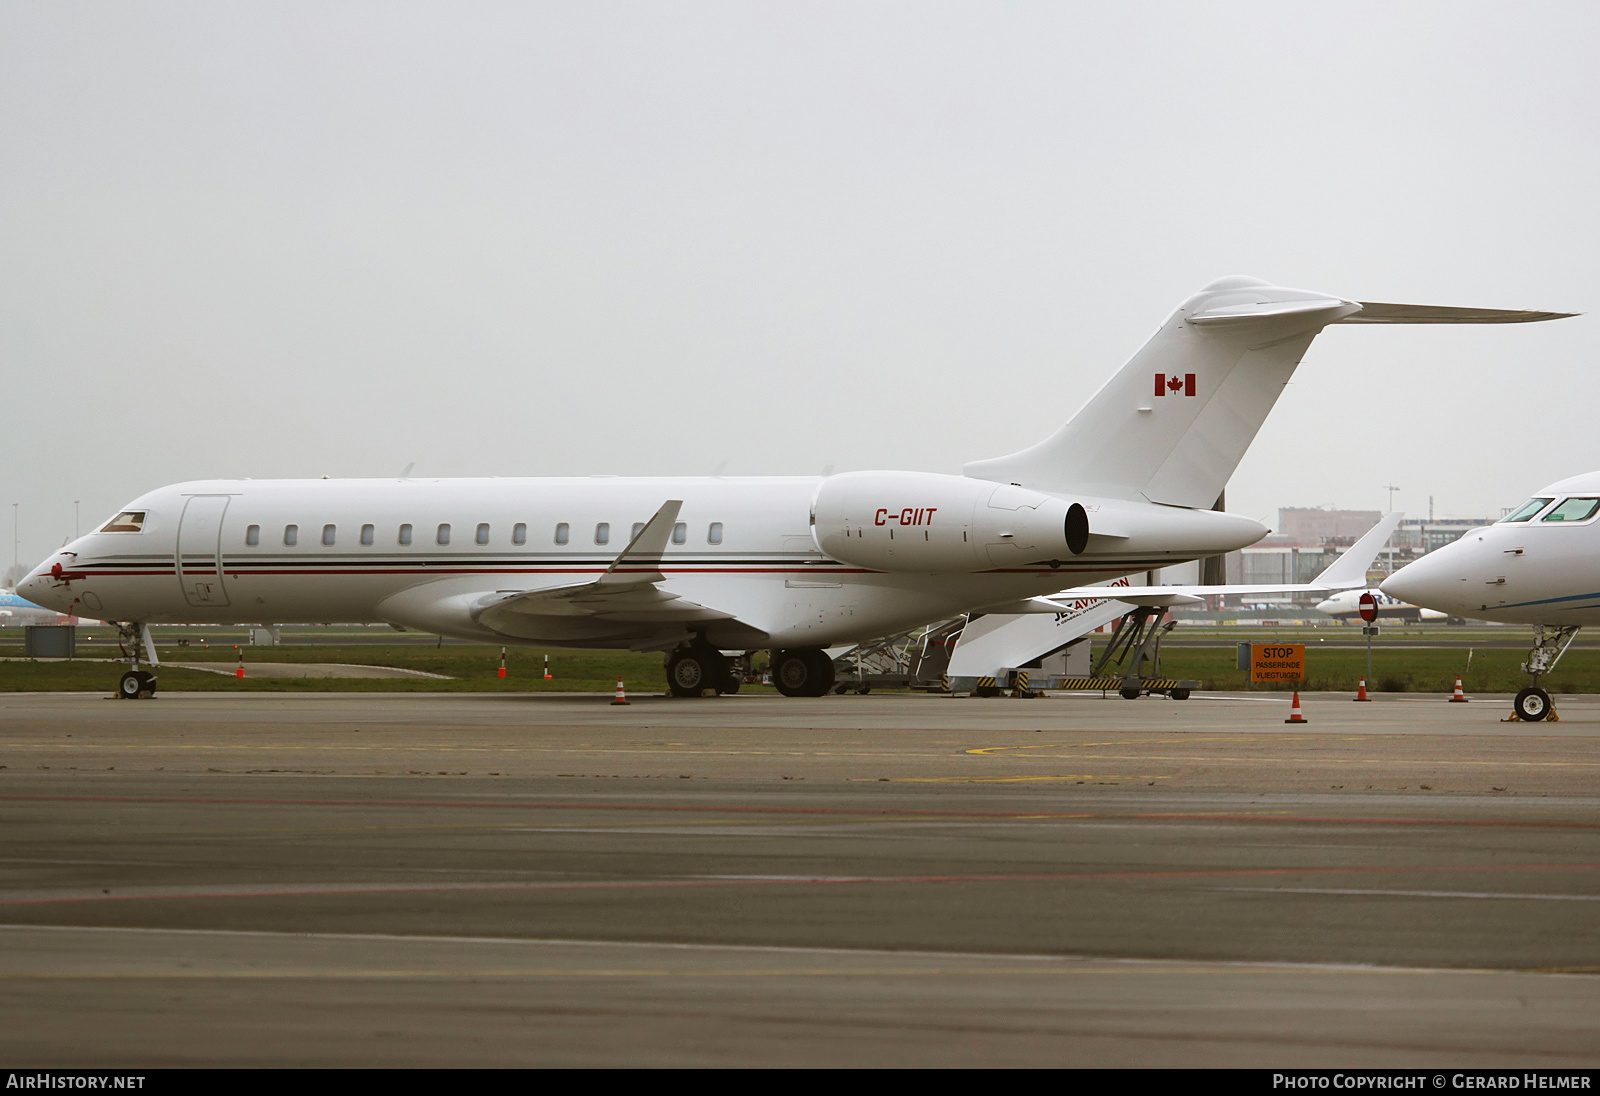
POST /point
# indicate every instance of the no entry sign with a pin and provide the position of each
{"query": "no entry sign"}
(1369, 607)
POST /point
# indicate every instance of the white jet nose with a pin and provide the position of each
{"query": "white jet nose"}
(32, 586)
(37, 588)
(1429, 582)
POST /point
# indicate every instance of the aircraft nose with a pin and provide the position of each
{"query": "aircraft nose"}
(36, 587)
(1423, 583)
(32, 585)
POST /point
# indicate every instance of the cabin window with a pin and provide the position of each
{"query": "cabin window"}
(291, 535)
(252, 536)
(405, 534)
(483, 532)
(443, 536)
(368, 534)
(328, 533)
(602, 533)
(1574, 510)
(519, 533)
(714, 534)
(1528, 509)
(129, 521)
(680, 532)
(563, 533)
(638, 527)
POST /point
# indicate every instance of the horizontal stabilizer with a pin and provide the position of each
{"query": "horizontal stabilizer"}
(1372, 312)
(1326, 309)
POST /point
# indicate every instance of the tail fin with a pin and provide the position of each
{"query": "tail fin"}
(1173, 424)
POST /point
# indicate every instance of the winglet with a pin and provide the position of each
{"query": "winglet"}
(640, 561)
(1350, 569)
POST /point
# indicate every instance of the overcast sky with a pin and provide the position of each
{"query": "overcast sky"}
(296, 239)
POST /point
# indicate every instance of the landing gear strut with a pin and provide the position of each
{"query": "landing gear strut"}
(1549, 644)
(136, 684)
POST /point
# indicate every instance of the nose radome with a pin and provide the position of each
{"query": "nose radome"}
(1421, 583)
(36, 587)
(31, 586)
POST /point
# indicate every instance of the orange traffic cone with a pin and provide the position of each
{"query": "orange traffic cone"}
(1361, 690)
(1294, 711)
(1459, 697)
(621, 697)
(239, 673)
(502, 662)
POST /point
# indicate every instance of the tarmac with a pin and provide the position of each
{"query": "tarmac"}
(453, 880)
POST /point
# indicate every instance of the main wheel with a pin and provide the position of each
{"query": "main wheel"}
(1532, 704)
(730, 684)
(691, 671)
(806, 671)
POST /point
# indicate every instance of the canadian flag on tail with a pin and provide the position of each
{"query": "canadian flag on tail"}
(1170, 384)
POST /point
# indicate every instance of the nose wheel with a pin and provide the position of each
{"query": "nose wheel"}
(1532, 704)
(136, 685)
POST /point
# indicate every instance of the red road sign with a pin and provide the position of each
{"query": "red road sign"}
(1369, 607)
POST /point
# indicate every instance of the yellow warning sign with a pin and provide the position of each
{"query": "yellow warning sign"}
(1277, 662)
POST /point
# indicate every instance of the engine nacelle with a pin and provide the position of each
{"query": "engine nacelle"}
(929, 523)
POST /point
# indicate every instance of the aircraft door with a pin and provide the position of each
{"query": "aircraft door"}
(200, 550)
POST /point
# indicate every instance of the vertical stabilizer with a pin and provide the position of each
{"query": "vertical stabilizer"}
(1172, 424)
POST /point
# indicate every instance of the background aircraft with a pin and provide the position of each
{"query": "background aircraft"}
(1346, 605)
(16, 611)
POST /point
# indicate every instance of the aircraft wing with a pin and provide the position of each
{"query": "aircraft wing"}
(628, 591)
(1344, 573)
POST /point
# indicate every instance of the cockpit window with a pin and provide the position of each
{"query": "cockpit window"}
(1574, 510)
(1527, 510)
(129, 521)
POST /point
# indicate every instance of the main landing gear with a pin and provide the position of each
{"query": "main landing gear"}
(1549, 644)
(136, 684)
(803, 671)
(702, 670)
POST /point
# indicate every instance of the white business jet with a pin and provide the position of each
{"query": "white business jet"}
(1346, 606)
(1539, 565)
(697, 567)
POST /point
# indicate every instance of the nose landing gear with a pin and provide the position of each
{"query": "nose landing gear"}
(136, 684)
(1549, 644)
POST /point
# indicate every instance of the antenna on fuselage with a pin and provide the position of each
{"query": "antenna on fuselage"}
(406, 474)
